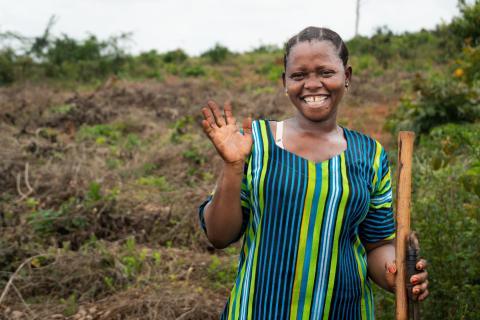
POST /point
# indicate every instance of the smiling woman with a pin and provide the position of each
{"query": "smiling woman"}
(312, 200)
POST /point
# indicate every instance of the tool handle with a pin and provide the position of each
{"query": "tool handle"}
(404, 190)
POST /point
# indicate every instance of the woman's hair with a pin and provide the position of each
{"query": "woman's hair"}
(318, 34)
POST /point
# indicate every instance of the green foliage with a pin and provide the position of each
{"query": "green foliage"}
(50, 221)
(7, 71)
(132, 260)
(439, 101)
(272, 71)
(193, 71)
(221, 274)
(194, 155)
(466, 27)
(446, 213)
(160, 183)
(217, 54)
(175, 56)
(62, 108)
(71, 215)
(70, 305)
(267, 48)
(180, 128)
(115, 135)
(469, 66)
(445, 202)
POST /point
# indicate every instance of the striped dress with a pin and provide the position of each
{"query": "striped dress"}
(304, 226)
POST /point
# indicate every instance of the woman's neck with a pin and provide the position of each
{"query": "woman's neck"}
(306, 127)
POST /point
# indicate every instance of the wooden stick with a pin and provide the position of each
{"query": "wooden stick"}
(404, 191)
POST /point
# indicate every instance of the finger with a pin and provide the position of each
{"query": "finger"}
(228, 113)
(219, 119)
(419, 277)
(391, 267)
(424, 295)
(247, 126)
(209, 118)
(421, 264)
(206, 127)
(416, 290)
(390, 274)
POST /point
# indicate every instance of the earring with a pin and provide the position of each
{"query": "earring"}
(347, 84)
(286, 93)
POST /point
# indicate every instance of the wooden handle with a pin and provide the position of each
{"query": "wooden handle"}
(404, 191)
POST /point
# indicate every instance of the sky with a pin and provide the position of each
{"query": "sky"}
(197, 25)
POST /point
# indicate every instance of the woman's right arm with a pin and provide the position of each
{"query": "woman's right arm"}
(223, 214)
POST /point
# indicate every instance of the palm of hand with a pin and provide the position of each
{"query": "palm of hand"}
(222, 130)
(230, 143)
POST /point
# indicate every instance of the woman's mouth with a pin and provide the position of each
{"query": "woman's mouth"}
(316, 101)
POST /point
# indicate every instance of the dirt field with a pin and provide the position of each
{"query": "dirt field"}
(99, 189)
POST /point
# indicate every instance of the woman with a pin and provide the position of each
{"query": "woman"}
(311, 199)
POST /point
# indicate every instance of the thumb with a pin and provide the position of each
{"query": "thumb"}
(390, 273)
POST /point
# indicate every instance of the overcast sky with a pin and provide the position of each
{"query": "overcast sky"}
(196, 25)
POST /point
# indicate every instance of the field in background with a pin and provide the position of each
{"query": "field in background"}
(103, 165)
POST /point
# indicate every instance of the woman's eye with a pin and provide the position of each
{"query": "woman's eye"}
(326, 73)
(297, 76)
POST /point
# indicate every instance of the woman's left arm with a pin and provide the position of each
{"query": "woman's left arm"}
(382, 269)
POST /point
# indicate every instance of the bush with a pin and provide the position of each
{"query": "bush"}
(175, 56)
(445, 202)
(217, 54)
(467, 26)
(439, 101)
(7, 71)
(445, 212)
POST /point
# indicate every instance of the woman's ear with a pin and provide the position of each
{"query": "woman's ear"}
(348, 73)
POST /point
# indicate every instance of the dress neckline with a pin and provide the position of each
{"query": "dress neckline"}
(272, 139)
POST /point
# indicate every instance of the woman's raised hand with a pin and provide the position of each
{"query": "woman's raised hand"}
(222, 130)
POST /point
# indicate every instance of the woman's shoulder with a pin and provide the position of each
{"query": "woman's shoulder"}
(362, 142)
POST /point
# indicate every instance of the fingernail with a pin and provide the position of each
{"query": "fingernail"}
(416, 291)
(391, 268)
(414, 280)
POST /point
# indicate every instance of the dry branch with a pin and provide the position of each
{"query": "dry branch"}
(14, 275)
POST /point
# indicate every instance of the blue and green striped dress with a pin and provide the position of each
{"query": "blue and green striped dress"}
(305, 224)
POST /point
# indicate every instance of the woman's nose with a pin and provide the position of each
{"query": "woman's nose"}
(313, 82)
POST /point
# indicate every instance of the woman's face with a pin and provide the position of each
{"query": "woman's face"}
(315, 79)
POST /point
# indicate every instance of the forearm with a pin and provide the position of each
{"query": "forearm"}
(377, 258)
(223, 215)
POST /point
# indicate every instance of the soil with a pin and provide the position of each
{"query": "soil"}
(75, 194)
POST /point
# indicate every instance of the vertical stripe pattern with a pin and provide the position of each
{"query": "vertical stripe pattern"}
(304, 229)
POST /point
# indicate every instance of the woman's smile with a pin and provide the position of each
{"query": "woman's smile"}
(316, 101)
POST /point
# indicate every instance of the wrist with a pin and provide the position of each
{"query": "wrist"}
(234, 167)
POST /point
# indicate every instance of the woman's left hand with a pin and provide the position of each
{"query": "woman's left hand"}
(419, 280)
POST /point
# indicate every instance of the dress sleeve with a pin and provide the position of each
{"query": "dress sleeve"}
(244, 201)
(379, 222)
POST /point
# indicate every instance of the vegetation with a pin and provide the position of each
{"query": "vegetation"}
(106, 165)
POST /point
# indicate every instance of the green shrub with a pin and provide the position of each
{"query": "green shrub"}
(7, 70)
(193, 71)
(440, 100)
(175, 56)
(217, 54)
(272, 71)
(466, 27)
(52, 222)
(160, 182)
(445, 213)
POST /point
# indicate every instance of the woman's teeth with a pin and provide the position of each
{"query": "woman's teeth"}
(315, 99)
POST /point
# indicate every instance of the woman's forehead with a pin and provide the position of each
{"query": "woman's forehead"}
(314, 50)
